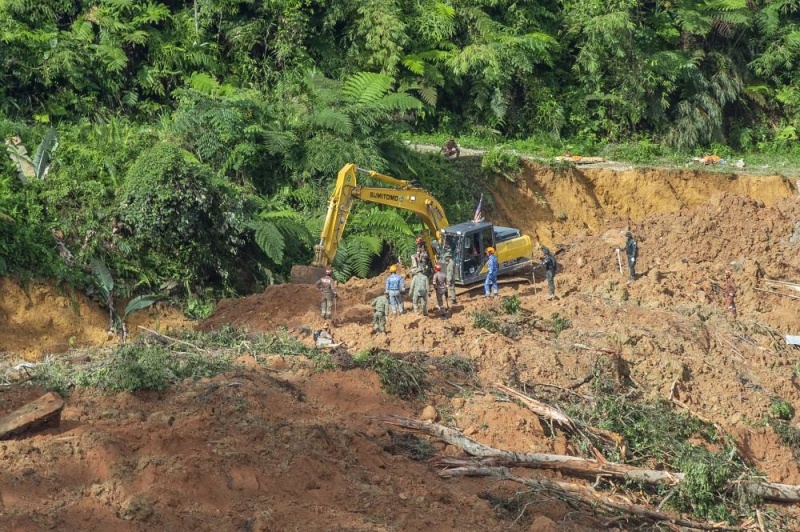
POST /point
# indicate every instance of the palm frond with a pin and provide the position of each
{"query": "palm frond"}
(103, 275)
(140, 303)
(270, 239)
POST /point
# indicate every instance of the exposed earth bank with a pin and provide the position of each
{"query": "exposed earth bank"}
(276, 445)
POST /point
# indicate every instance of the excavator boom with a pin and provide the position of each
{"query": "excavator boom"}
(401, 194)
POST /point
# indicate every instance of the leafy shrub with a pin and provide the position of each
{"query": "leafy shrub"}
(559, 323)
(502, 161)
(781, 409)
(510, 304)
(198, 308)
(182, 222)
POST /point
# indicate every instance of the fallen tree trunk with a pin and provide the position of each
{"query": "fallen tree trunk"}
(584, 467)
(44, 411)
(581, 494)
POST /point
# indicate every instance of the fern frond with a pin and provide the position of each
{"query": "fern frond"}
(366, 87)
(270, 239)
(333, 120)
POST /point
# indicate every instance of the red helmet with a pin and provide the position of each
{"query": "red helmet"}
(437, 268)
(328, 272)
(419, 240)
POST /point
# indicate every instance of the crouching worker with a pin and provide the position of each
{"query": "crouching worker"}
(381, 306)
(323, 337)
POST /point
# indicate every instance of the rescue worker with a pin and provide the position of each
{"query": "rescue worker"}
(327, 285)
(450, 149)
(419, 291)
(395, 287)
(440, 286)
(450, 275)
(631, 251)
(381, 306)
(492, 266)
(421, 260)
(549, 265)
(730, 293)
(324, 338)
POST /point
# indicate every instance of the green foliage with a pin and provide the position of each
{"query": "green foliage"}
(780, 409)
(404, 377)
(182, 222)
(502, 161)
(559, 323)
(132, 367)
(197, 308)
(510, 304)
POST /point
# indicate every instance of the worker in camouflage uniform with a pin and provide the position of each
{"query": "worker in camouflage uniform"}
(395, 287)
(327, 285)
(419, 291)
(450, 275)
(631, 251)
(440, 287)
(549, 265)
(381, 306)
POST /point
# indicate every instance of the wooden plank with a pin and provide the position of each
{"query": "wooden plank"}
(45, 411)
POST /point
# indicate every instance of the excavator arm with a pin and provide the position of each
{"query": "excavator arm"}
(400, 195)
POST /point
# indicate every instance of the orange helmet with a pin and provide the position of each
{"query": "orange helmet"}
(490, 250)
(437, 268)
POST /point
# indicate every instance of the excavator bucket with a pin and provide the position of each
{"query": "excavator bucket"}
(303, 274)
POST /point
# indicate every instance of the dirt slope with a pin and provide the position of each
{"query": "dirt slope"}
(276, 446)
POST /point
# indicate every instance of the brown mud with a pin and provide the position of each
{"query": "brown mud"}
(275, 445)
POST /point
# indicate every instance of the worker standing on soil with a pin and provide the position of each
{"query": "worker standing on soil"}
(450, 276)
(381, 306)
(327, 285)
(631, 251)
(419, 291)
(549, 265)
(730, 293)
(395, 286)
(493, 267)
(440, 286)
(421, 259)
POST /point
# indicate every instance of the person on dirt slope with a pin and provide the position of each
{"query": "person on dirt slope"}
(440, 286)
(631, 251)
(395, 287)
(549, 265)
(381, 306)
(730, 293)
(323, 337)
(450, 275)
(493, 267)
(419, 291)
(327, 285)
(450, 149)
(421, 261)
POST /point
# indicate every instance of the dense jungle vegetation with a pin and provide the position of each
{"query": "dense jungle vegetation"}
(175, 146)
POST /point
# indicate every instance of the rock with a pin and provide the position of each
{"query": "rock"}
(581, 262)
(429, 414)
(43, 412)
(542, 524)
(161, 419)
(734, 419)
(458, 402)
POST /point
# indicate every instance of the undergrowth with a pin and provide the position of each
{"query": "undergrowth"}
(656, 436)
(403, 377)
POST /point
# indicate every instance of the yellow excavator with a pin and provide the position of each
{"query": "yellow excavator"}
(467, 241)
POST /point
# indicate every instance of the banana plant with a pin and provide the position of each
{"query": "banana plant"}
(37, 168)
(105, 285)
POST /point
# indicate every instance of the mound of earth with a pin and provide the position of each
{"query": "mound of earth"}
(276, 445)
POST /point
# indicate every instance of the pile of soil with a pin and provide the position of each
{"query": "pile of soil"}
(275, 445)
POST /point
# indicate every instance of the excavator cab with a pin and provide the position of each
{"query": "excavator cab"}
(468, 241)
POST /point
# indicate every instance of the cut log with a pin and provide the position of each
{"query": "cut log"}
(577, 493)
(572, 465)
(43, 412)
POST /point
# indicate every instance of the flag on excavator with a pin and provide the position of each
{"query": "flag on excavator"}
(478, 214)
